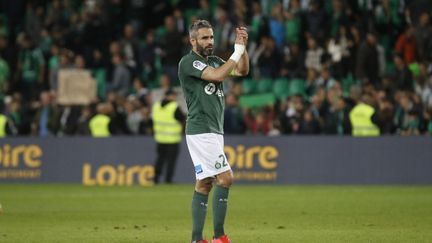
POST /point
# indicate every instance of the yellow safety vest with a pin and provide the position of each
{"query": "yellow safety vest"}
(166, 128)
(99, 126)
(361, 121)
(3, 122)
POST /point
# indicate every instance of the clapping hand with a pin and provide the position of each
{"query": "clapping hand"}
(241, 36)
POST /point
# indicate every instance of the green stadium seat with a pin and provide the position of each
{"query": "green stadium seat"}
(281, 88)
(264, 85)
(249, 86)
(297, 86)
(257, 100)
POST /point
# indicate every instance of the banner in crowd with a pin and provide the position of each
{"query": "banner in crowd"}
(76, 87)
(275, 160)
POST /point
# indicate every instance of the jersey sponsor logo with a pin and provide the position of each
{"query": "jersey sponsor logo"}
(198, 169)
(199, 65)
(210, 88)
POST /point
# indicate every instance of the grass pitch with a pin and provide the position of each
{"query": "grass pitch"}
(262, 214)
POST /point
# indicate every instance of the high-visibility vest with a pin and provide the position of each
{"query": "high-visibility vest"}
(166, 128)
(3, 122)
(361, 121)
(99, 126)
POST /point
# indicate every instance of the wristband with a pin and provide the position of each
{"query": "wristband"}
(238, 52)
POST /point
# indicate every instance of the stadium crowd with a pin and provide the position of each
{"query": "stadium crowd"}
(311, 62)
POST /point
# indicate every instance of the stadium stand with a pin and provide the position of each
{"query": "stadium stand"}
(308, 51)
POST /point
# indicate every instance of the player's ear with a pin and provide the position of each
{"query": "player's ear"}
(192, 41)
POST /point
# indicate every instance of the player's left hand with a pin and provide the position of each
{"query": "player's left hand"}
(241, 32)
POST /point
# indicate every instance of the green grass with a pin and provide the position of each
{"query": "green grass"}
(262, 214)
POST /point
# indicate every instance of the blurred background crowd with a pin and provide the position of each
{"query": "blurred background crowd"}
(312, 61)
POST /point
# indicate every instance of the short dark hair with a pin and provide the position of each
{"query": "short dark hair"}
(196, 25)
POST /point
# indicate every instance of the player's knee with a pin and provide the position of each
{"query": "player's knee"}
(225, 180)
(204, 186)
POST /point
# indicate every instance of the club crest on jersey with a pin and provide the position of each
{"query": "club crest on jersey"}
(210, 88)
(199, 65)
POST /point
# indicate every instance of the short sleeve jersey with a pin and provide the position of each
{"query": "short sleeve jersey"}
(205, 100)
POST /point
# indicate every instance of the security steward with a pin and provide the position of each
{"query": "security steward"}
(168, 120)
(363, 118)
(3, 125)
(100, 123)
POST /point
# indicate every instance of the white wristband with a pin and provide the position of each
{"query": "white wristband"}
(238, 52)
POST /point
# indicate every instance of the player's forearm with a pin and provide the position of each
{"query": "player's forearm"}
(242, 68)
(220, 73)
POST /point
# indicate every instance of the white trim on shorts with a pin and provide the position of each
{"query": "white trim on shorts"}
(207, 153)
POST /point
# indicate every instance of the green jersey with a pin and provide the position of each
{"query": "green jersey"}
(205, 100)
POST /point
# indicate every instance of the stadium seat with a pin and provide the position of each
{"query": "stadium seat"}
(249, 86)
(257, 100)
(264, 85)
(281, 88)
(297, 86)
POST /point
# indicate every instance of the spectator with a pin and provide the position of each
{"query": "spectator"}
(133, 115)
(406, 45)
(386, 116)
(31, 69)
(337, 118)
(267, 59)
(146, 123)
(121, 76)
(292, 115)
(277, 30)
(309, 124)
(140, 93)
(314, 54)
(164, 86)
(149, 52)
(368, 68)
(233, 116)
(222, 31)
(339, 49)
(130, 48)
(315, 21)
(423, 38)
(407, 116)
(402, 75)
(4, 76)
(423, 86)
(260, 123)
(83, 126)
(64, 61)
(171, 46)
(45, 122)
(293, 63)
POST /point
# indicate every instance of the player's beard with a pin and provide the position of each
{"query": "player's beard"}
(205, 51)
